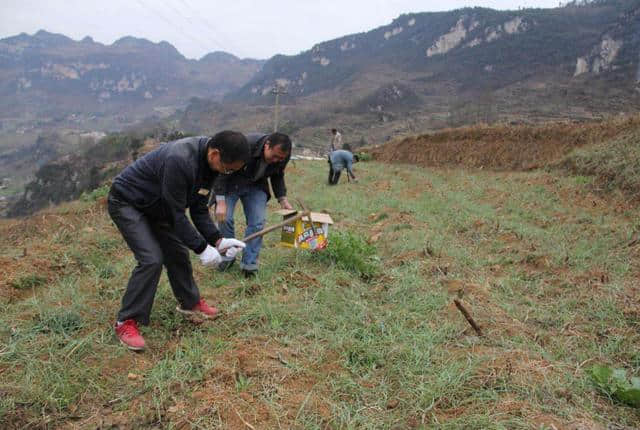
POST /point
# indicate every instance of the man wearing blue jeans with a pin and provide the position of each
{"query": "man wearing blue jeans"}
(270, 154)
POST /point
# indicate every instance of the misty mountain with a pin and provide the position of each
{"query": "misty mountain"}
(49, 74)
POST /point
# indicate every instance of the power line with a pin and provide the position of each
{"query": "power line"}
(212, 28)
(184, 18)
(172, 25)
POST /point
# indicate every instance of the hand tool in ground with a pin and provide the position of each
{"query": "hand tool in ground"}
(277, 226)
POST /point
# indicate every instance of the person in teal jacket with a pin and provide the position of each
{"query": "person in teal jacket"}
(339, 160)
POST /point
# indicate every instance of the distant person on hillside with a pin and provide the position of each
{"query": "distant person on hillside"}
(336, 141)
(339, 160)
(270, 154)
(148, 202)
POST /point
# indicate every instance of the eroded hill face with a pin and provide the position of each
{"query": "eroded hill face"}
(474, 50)
(605, 155)
(503, 147)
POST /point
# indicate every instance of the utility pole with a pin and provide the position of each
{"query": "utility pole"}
(277, 90)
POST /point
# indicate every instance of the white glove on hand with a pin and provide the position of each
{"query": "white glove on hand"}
(231, 253)
(230, 247)
(210, 256)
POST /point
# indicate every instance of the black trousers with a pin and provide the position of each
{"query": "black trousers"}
(154, 245)
(334, 175)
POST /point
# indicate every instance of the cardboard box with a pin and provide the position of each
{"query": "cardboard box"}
(301, 234)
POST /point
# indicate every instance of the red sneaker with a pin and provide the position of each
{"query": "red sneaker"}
(201, 309)
(129, 335)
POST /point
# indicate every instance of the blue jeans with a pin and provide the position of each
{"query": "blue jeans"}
(254, 204)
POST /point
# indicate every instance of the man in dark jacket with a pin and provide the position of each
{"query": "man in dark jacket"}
(269, 157)
(148, 202)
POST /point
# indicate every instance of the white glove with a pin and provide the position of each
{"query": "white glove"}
(210, 256)
(230, 247)
(231, 253)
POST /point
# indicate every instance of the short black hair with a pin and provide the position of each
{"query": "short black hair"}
(233, 146)
(356, 158)
(333, 130)
(281, 140)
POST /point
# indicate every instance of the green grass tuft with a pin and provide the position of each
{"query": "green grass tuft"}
(29, 281)
(349, 251)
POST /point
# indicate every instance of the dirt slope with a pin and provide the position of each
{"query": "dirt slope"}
(502, 147)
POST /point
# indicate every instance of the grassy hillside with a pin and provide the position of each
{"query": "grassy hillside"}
(547, 268)
(610, 164)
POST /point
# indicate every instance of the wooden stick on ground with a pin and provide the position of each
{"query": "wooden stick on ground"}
(466, 314)
(242, 419)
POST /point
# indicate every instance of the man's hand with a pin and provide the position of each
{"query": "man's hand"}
(230, 247)
(284, 203)
(210, 256)
(221, 210)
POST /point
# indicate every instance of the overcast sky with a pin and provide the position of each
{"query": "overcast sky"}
(256, 29)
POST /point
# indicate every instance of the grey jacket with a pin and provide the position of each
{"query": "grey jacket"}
(342, 159)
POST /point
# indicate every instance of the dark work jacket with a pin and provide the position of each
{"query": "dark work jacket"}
(165, 182)
(230, 184)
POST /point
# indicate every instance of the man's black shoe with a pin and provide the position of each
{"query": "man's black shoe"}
(225, 265)
(249, 273)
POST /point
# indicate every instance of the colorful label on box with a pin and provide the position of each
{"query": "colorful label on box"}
(302, 235)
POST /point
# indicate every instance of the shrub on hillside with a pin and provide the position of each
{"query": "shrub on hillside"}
(95, 194)
(351, 252)
(615, 384)
(364, 156)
